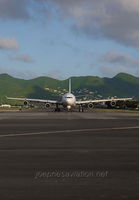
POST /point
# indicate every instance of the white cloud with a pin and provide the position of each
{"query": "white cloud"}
(22, 57)
(27, 74)
(109, 71)
(9, 43)
(113, 62)
(56, 74)
(24, 74)
(113, 57)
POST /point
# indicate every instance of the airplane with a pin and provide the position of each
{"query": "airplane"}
(69, 101)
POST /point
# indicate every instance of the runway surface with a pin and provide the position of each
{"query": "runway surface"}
(67, 156)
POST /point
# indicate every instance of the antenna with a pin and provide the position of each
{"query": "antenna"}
(69, 85)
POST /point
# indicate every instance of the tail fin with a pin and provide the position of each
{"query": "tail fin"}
(69, 85)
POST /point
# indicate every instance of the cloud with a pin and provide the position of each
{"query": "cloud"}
(25, 74)
(113, 62)
(113, 57)
(8, 44)
(56, 74)
(109, 71)
(22, 57)
(24, 9)
(115, 20)
(14, 9)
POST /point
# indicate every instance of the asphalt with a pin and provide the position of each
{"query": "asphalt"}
(67, 156)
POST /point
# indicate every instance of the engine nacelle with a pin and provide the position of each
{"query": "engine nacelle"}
(26, 103)
(47, 105)
(90, 105)
(113, 103)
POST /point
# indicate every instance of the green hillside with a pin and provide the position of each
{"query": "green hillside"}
(122, 85)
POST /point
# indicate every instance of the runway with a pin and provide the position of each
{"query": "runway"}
(69, 156)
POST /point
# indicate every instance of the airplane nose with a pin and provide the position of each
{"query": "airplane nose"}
(69, 102)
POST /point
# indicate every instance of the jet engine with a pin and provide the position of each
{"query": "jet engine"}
(47, 105)
(26, 103)
(112, 103)
(90, 105)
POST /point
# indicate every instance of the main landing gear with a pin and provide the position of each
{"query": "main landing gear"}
(81, 109)
(57, 109)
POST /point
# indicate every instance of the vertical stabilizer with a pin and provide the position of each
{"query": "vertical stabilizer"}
(69, 85)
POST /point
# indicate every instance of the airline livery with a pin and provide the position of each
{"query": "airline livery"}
(69, 101)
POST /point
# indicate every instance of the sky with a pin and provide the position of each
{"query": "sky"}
(64, 38)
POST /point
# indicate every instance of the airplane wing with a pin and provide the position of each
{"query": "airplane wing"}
(34, 100)
(103, 100)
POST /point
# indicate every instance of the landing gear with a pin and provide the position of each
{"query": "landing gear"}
(81, 109)
(124, 106)
(57, 109)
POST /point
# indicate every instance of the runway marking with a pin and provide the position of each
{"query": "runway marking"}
(70, 131)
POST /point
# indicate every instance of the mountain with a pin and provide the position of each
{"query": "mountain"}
(122, 85)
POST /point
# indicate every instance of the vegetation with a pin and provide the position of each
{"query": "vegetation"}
(122, 85)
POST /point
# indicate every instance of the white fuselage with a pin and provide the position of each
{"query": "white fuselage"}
(68, 100)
